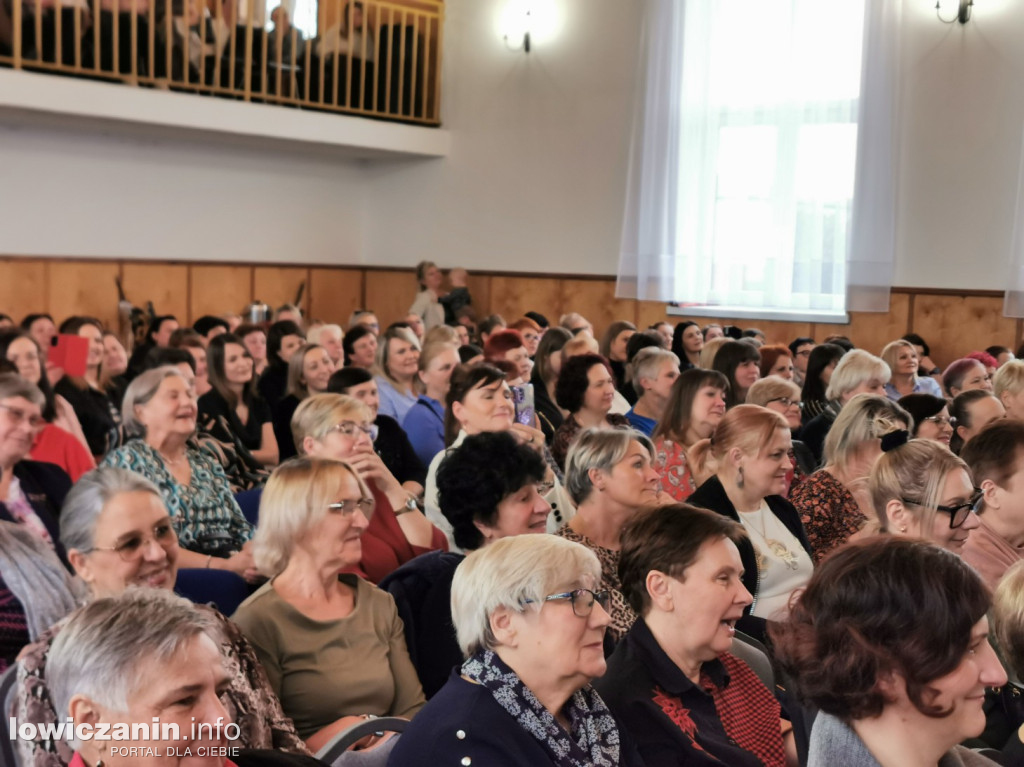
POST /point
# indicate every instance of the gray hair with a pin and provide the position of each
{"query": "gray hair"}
(139, 393)
(102, 648)
(89, 496)
(597, 449)
(855, 368)
(13, 385)
(314, 334)
(647, 364)
(514, 572)
(864, 418)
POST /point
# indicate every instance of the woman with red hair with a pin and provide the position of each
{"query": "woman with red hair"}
(508, 345)
(776, 360)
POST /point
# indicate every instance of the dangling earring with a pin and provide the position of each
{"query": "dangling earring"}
(739, 478)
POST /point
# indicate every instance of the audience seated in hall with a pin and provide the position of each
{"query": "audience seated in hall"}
(111, 505)
(284, 337)
(309, 371)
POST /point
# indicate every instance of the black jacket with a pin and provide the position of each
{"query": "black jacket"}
(711, 495)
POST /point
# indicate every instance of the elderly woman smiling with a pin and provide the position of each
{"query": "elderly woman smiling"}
(682, 574)
(530, 619)
(119, 535)
(610, 478)
(160, 410)
(149, 657)
(332, 645)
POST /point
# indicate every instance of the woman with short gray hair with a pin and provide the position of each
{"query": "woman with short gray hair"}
(530, 616)
(149, 658)
(120, 537)
(608, 474)
(160, 412)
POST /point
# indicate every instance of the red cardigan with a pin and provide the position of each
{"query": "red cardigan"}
(385, 547)
(54, 445)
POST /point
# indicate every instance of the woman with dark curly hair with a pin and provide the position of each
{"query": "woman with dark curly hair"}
(892, 689)
(586, 388)
(489, 487)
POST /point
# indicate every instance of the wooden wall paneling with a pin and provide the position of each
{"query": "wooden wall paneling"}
(480, 291)
(650, 312)
(277, 285)
(334, 294)
(22, 288)
(511, 297)
(217, 289)
(957, 325)
(83, 288)
(389, 294)
(595, 300)
(166, 285)
(871, 330)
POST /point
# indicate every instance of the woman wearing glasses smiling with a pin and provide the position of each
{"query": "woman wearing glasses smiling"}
(331, 643)
(119, 535)
(341, 428)
(531, 627)
(922, 490)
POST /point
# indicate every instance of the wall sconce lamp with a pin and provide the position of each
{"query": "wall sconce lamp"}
(963, 12)
(518, 24)
(522, 24)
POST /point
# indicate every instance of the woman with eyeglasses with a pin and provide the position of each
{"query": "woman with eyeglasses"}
(530, 618)
(119, 535)
(783, 396)
(834, 502)
(160, 414)
(931, 417)
(490, 487)
(331, 643)
(341, 428)
(921, 490)
(31, 492)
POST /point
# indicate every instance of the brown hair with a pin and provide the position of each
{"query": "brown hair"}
(859, 620)
(995, 452)
(675, 420)
(667, 539)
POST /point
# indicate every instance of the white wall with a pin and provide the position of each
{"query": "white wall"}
(536, 174)
(963, 97)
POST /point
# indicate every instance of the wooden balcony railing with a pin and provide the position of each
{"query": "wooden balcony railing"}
(378, 58)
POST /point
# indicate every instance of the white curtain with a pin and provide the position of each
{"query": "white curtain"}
(744, 155)
(1013, 304)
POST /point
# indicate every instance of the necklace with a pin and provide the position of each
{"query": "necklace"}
(777, 548)
(170, 461)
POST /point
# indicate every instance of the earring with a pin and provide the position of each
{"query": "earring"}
(903, 529)
(739, 478)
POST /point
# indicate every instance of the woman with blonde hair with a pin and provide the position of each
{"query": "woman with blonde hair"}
(921, 490)
(341, 428)
(332, 644)
(834, 502)
(398, 356)
(1008, 387)
(749, 451)
(783, 396)
(903, 362)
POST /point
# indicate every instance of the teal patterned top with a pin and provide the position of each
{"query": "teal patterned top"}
(208, 517)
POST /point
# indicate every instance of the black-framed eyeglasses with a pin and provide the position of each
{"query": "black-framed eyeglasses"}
(582, 600)
(348, 507)
(959, 512)
(786, 401)
(130, 549)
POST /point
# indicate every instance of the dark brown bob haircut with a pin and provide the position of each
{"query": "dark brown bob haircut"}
(667, 539)
(875, 607)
